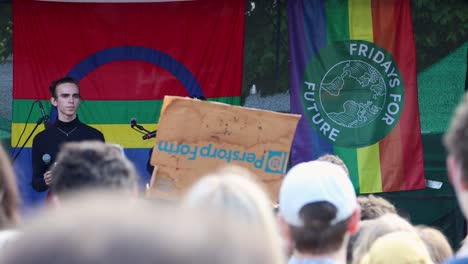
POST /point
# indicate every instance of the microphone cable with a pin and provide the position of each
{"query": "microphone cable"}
(24, 129)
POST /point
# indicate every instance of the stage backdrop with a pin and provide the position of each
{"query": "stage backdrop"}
(353, 78)
(127, 57)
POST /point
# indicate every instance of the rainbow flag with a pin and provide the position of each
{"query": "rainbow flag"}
(127, 56)
(353, 79)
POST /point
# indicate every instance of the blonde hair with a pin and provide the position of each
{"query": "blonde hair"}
(371, 230)
(232, 191)
(9, 194)
(436, 243)
(105, 227)
(399, 247)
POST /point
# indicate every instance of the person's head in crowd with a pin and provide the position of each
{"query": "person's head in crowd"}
(437, 244)
(318, 209)
(65, 95)
(118, 148)
(398, 248)
(111, 229)
(234, 192)
(335, 160)
(371, 230)
(352, 240)
(9, 194)
(92, 164)
(456, 143)
(374, 206)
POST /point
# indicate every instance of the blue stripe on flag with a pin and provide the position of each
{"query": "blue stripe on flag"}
(32, 199)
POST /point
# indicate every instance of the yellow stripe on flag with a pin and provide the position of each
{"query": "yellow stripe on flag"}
(360, 20)
(370, 177)
(368, 158)
(116, 134)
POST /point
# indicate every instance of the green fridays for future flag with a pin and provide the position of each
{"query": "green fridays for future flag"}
(353, 79)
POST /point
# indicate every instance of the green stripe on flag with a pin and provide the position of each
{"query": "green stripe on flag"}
(349, 157)
(106, 111)
(336, 12)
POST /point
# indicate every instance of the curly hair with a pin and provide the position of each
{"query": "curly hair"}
(374, 206)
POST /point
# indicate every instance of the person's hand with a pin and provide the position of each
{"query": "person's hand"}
(48, 178)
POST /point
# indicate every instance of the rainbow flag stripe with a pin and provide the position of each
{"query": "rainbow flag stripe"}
(395, 162)
(109, 116)
(127, 58)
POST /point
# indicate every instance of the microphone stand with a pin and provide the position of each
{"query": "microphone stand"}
(142, 128)
(147, 134)
(39, 121)
(150, 135)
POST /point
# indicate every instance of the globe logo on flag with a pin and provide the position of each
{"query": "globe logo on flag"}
(353, 93)
(357, 89)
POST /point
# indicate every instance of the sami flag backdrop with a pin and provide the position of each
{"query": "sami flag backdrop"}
(127, 56)
(353, 78)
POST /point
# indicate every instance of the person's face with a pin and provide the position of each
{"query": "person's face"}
(460, 186)
(67, 101)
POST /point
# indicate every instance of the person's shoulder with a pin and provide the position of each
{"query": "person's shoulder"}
(7, 236)
(457, 260)
(43, 134)
(93, 132)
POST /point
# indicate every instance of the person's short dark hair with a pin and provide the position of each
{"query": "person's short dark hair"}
(318, 202)
(318, 235)
(456, 138)
(335, 160)
(54, 84)
(374, 206)
(92, 164)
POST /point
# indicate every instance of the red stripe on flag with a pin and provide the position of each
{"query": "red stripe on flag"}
(137, 80)
(204, 36)
(401, 151)
(410, 129)
(390, 149)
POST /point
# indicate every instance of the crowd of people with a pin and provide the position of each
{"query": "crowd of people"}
(96, 213)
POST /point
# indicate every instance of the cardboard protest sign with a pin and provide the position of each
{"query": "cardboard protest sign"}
(197, 137)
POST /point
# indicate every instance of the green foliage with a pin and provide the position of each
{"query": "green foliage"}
(266, 47)
(6, 31)
(440, 27)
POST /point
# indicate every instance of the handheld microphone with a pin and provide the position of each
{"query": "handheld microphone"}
(150, 135)
(46, 158)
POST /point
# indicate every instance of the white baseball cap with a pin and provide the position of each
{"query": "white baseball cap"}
(316, 181)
